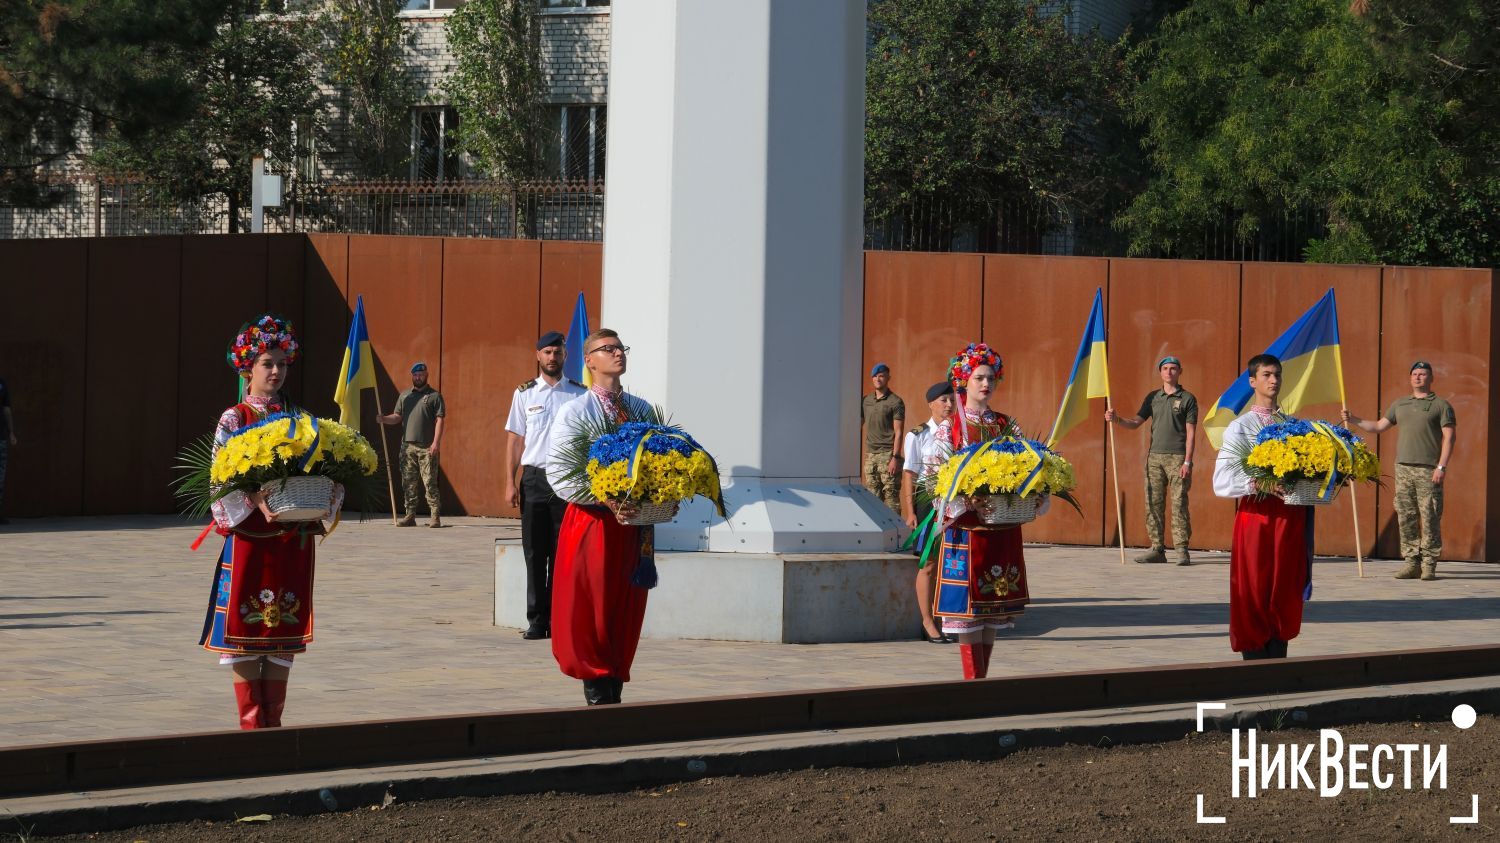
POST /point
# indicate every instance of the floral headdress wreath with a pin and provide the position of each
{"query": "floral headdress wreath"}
(960, 368)
(258, 337)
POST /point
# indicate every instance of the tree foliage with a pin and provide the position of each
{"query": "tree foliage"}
(976, 102)
(361, 48)
(249, 87)
(1380, 116)
(74, 69)
(497, 86)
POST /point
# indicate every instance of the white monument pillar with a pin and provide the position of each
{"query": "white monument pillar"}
(733, 259)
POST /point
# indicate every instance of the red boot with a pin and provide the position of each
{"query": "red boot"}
(982, 659)
(970, 656)
(273, 700)
(247, 694)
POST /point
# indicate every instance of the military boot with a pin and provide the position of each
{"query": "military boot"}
(408, 521)
(1155, 556)
(1429, 570)
(1410, 572)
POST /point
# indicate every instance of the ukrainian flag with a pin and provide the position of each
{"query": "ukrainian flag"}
(573, 364)
(1312, 371)
(358, 371)
(1090, 376)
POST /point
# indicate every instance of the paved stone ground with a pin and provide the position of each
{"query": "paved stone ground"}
(99, 622)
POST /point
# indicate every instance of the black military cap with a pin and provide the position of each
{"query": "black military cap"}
(548, 339)
(938, 390)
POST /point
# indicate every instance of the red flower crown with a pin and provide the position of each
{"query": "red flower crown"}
(258, 337)
(960, 368)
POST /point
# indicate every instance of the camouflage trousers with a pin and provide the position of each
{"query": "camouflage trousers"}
(1419, 509)
(1163, 479)
(417, 464)
(880, 481)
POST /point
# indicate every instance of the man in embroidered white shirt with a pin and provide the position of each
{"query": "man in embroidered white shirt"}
(1270, 557)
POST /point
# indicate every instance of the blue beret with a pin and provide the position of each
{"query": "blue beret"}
(550, 338)
(879, 367)
(1168, 359)
(418, 367)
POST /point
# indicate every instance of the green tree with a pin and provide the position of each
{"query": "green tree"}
(497, 86)
(71, 70)
(979, 103)
(361, 49)
(254, 81)
(1256, 108)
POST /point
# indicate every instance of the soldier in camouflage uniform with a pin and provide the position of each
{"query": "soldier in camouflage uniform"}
(1169, 465)
(883, 414)
(420, 412)
(1423, 451)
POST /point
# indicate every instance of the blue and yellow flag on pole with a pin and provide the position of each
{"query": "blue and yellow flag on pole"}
(358, 371)
(579, 328)
(1312, 370)
(1089, 378)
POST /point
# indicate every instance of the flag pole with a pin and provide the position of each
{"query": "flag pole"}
(1338, 362)
(1114, 471)
(385, 445)
(1359, 552)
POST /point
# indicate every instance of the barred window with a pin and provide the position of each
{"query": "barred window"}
(434, 151)
(575, 147)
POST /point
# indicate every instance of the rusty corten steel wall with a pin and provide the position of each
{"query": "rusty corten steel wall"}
(920, 309)
(130, 421)
(1034, 315)
(567, 269)
(1276, 295)
(490, 293)
(223, 286)
(44, 289)
(1443, 316)
(1191, 310)
(324, 327)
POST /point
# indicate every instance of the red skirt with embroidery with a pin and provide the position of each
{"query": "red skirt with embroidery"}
(261, 602)
(596, 612)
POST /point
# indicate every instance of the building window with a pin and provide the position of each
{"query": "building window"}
(434, 151)
(563, 5)
(575, 151)
(431, 5)
(304, 140)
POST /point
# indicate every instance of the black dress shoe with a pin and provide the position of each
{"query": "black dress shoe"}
(535, 633)
(616, 688)
(597, 691)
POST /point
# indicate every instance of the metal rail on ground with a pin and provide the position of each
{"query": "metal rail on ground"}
(95, 765)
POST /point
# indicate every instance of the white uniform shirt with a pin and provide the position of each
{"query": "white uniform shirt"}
(920, 450)
(532, 408)
(585, 406)
(1230, 479)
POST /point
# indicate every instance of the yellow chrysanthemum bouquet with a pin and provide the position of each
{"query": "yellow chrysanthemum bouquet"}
(1005, 478)
(648, 462)
(295, 458)
(1308, 460)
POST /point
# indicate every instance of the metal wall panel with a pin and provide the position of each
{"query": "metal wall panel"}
(130, 416)
(1035, 309)
(568, 268)
(401, 279)
(286, 269)
(1443, 316)
(490, 290)
(223, 286)
(324, 328)
(920, 310)
(1189, 309)
(43, 285)
(1275, 296)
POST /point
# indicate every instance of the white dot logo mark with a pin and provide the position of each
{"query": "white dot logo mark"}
(1464, 716)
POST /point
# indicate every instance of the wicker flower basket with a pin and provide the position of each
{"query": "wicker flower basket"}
(1006, 510)
(653, 513)
(1305, 493)
(299, 498)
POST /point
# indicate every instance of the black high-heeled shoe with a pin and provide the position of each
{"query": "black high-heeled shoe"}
(940, 638)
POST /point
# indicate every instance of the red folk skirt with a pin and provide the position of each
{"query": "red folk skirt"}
(261, 601)
(596, 611)
(1270, 571)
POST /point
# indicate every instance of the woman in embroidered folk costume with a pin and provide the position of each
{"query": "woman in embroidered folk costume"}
(982, 574)
(260, 612)
(598, 602)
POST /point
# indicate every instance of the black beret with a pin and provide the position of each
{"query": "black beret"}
(548, 339)
(938, 390)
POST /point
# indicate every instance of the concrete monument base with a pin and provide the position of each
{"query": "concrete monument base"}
(787, 598)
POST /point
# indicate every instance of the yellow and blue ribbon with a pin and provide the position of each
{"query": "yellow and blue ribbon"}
(637, 453)
(1331, 482)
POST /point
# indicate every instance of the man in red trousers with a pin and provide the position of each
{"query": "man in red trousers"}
(1270, 557)
(597, 610)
